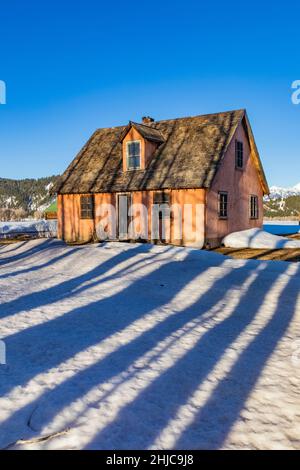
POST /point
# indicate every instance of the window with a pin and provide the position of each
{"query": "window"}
(253, 207)
(163, 199)
(133, 155)
(87, 207)
(223, 205)
(239, 154)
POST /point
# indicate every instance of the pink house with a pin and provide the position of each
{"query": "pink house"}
(203, 173)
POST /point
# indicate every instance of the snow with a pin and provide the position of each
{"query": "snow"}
(297, 188)
(258, 238)
(277, 192)
(35, 227)
(133, 346)
(49, 186)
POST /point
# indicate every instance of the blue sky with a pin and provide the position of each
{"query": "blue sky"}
(71, 67)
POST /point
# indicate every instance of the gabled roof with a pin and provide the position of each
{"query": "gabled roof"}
(189, 157)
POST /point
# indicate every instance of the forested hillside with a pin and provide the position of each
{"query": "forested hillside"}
(22, 198)
(288, 207)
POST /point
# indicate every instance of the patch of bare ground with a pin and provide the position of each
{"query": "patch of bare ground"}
(250, 253)
(296, 236)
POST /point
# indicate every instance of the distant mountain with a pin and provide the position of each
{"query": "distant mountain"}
(277, 192)
(283, 202)
(21, 198)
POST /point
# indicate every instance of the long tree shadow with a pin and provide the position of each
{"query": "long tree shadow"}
(157, 404)
(228, 399)
(94, 322)
(16, 246)
(34, 268)
(89, 324)
(32, 250)
(66, 289)
(119, 360)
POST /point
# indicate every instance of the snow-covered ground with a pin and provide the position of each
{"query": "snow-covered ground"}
(258, 238)
(42, 228)
(122, 346)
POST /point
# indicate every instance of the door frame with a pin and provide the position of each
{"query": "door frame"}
(129, 203)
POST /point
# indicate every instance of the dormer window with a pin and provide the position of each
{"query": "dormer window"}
(139, 144)
(134, 155)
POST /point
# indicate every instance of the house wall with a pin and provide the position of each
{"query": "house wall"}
(71, 228)
(239, 184)
(194, 235)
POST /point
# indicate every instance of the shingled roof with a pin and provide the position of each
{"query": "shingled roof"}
(188, 155)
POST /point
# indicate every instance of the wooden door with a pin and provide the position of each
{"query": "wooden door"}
(123, 206)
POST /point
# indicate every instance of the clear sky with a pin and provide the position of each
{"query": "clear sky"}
(73, 66)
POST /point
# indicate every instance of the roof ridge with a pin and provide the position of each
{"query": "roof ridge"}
(171, 119)
(142, 124)
(203, 115)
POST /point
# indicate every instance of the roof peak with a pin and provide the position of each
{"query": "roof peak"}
(151, 125)
(148, 132)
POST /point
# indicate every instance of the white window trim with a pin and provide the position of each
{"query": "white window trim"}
(127, 154)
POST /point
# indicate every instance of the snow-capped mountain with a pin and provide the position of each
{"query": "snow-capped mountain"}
(283, 202)
(278, 192)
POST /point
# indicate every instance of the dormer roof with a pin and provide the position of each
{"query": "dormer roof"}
(147, 131)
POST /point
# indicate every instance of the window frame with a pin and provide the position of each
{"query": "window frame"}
(161, 197)
(163, 200)
(239, 154)
(87, 208)
(253, 209)
(221, 213)
(135, 156)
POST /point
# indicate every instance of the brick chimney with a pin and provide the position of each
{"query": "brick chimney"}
(147, 119)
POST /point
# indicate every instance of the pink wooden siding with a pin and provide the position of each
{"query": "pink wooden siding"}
(239, 184)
